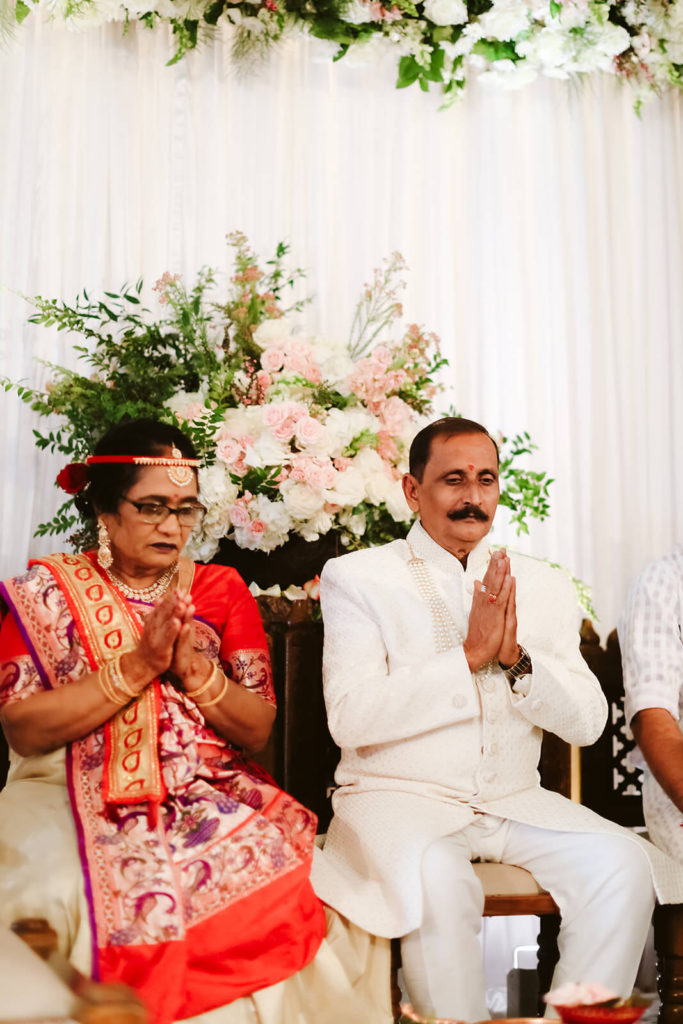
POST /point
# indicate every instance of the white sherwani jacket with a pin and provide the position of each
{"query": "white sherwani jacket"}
(426, 743)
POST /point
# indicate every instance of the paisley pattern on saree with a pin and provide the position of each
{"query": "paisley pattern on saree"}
(45, 623)
(108, 628)
(225, 830)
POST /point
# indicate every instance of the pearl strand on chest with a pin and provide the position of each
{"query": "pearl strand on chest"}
(446, 633)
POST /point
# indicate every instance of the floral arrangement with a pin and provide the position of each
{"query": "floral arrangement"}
(440, 42)
(299, 436)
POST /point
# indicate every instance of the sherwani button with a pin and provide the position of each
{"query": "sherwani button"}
(492, 716)
(536, 705)
(488, 685)
(489, 777)
(459, 700)
(492, 749)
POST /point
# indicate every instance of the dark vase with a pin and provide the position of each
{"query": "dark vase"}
(295, 562)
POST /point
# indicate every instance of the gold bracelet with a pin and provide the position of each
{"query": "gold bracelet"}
(107, 688)
(221, 695)
(206, 684)
(118, 679)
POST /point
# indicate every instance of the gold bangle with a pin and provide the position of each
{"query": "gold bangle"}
(207, 682)
(107, 688)
(215, 700)
(118, 678)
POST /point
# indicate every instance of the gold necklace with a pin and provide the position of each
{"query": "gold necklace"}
(151, 593)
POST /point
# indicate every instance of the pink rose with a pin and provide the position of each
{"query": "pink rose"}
(257, 527)
(272, 359)
(239, 516)
(229, 451)
(308, 431)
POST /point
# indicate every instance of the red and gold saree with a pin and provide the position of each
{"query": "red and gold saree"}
(198, 885)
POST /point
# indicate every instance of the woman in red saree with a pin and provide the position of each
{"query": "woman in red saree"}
(132, 685)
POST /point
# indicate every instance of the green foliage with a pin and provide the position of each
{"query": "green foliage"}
(524, 491)
(199, 354)
(495, 49)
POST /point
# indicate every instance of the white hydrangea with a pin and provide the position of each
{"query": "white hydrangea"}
(342, 426)
(318, 524)
(446, 12)
(266, 450)
(508, 74)
(505, 20)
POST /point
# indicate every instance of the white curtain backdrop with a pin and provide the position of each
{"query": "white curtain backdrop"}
(543, 229)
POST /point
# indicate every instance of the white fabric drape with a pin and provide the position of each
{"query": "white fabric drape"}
(543, 229)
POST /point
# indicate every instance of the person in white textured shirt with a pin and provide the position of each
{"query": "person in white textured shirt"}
(444, 661)
(650, 635)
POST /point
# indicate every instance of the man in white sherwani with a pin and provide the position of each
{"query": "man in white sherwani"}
(444, 662)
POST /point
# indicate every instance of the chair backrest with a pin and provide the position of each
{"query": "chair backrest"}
(609, 785)
(302, 755)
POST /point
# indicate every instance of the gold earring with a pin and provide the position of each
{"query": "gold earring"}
(104, 555)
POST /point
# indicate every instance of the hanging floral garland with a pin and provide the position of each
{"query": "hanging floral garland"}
(436, 42)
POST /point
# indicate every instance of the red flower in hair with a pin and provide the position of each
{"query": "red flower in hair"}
(72, 478)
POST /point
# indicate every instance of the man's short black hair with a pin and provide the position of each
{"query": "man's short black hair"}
(448, 426)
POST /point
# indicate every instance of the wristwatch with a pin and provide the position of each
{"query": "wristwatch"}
(520, 668)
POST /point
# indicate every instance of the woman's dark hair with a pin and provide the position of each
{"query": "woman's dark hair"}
(448, 426)
(108, 483)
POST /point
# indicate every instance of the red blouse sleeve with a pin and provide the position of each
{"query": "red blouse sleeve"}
(222, 598)
(19, 676)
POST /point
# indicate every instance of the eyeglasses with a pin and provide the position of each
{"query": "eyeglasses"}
(153, 512)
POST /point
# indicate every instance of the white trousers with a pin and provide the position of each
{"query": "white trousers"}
(601, 883)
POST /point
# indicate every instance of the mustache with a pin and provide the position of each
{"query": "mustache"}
(466, 511)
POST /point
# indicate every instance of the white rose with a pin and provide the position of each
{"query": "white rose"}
(396, 503)
(274, 515)
(301, 501)
(348, 490)
(200, 548)
(377, 481)
(321, 523)
(265, 451)
(446, 12)
(505, 20)
(179, 402)
(272, 333)
(613, 39)
(355, 523)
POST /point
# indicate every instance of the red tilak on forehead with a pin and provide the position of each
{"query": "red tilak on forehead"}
(470, 466)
